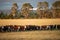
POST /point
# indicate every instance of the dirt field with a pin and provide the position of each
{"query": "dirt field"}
(31, 35)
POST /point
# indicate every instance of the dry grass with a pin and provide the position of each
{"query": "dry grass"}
(29, 21)
(31, 35)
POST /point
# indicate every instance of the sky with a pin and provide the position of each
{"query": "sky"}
(7, 4)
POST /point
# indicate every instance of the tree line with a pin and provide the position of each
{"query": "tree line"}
(25, 12)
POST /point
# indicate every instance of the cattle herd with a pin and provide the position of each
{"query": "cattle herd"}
(18, 28)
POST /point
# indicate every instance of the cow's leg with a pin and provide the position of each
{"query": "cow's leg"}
(51, 27)
(47, 27)
(8, 29)
(56, 27)
(24, 27)
(40, 27)
(18, 29)
(2, 29)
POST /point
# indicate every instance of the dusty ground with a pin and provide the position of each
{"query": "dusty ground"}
(31, 35)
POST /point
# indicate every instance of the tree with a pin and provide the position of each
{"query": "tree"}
(39, 12)
(46, 5)
(56, 4)
(2, 15)
(25, 10)
(42, 7)
(56, 9)
(14, 10)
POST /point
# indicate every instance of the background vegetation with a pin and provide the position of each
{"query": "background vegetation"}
(42, 11)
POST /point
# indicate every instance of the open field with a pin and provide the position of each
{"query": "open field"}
(30, 22)
(31, 35)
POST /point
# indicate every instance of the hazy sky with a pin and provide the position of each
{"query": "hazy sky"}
(6, 4)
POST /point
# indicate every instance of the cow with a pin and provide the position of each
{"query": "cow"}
(11, 28)
(15, 28)
(52, 27)
(43, 27)
(58, 27)
(0, 28)
(22, 28)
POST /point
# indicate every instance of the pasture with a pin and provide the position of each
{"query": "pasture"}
(31, 35)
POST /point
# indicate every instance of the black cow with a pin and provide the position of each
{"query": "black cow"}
(37, 27)
(52, 27)
(4, 28)
(32, 27)
(0, 28)
(58, 27)
(11, 28)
